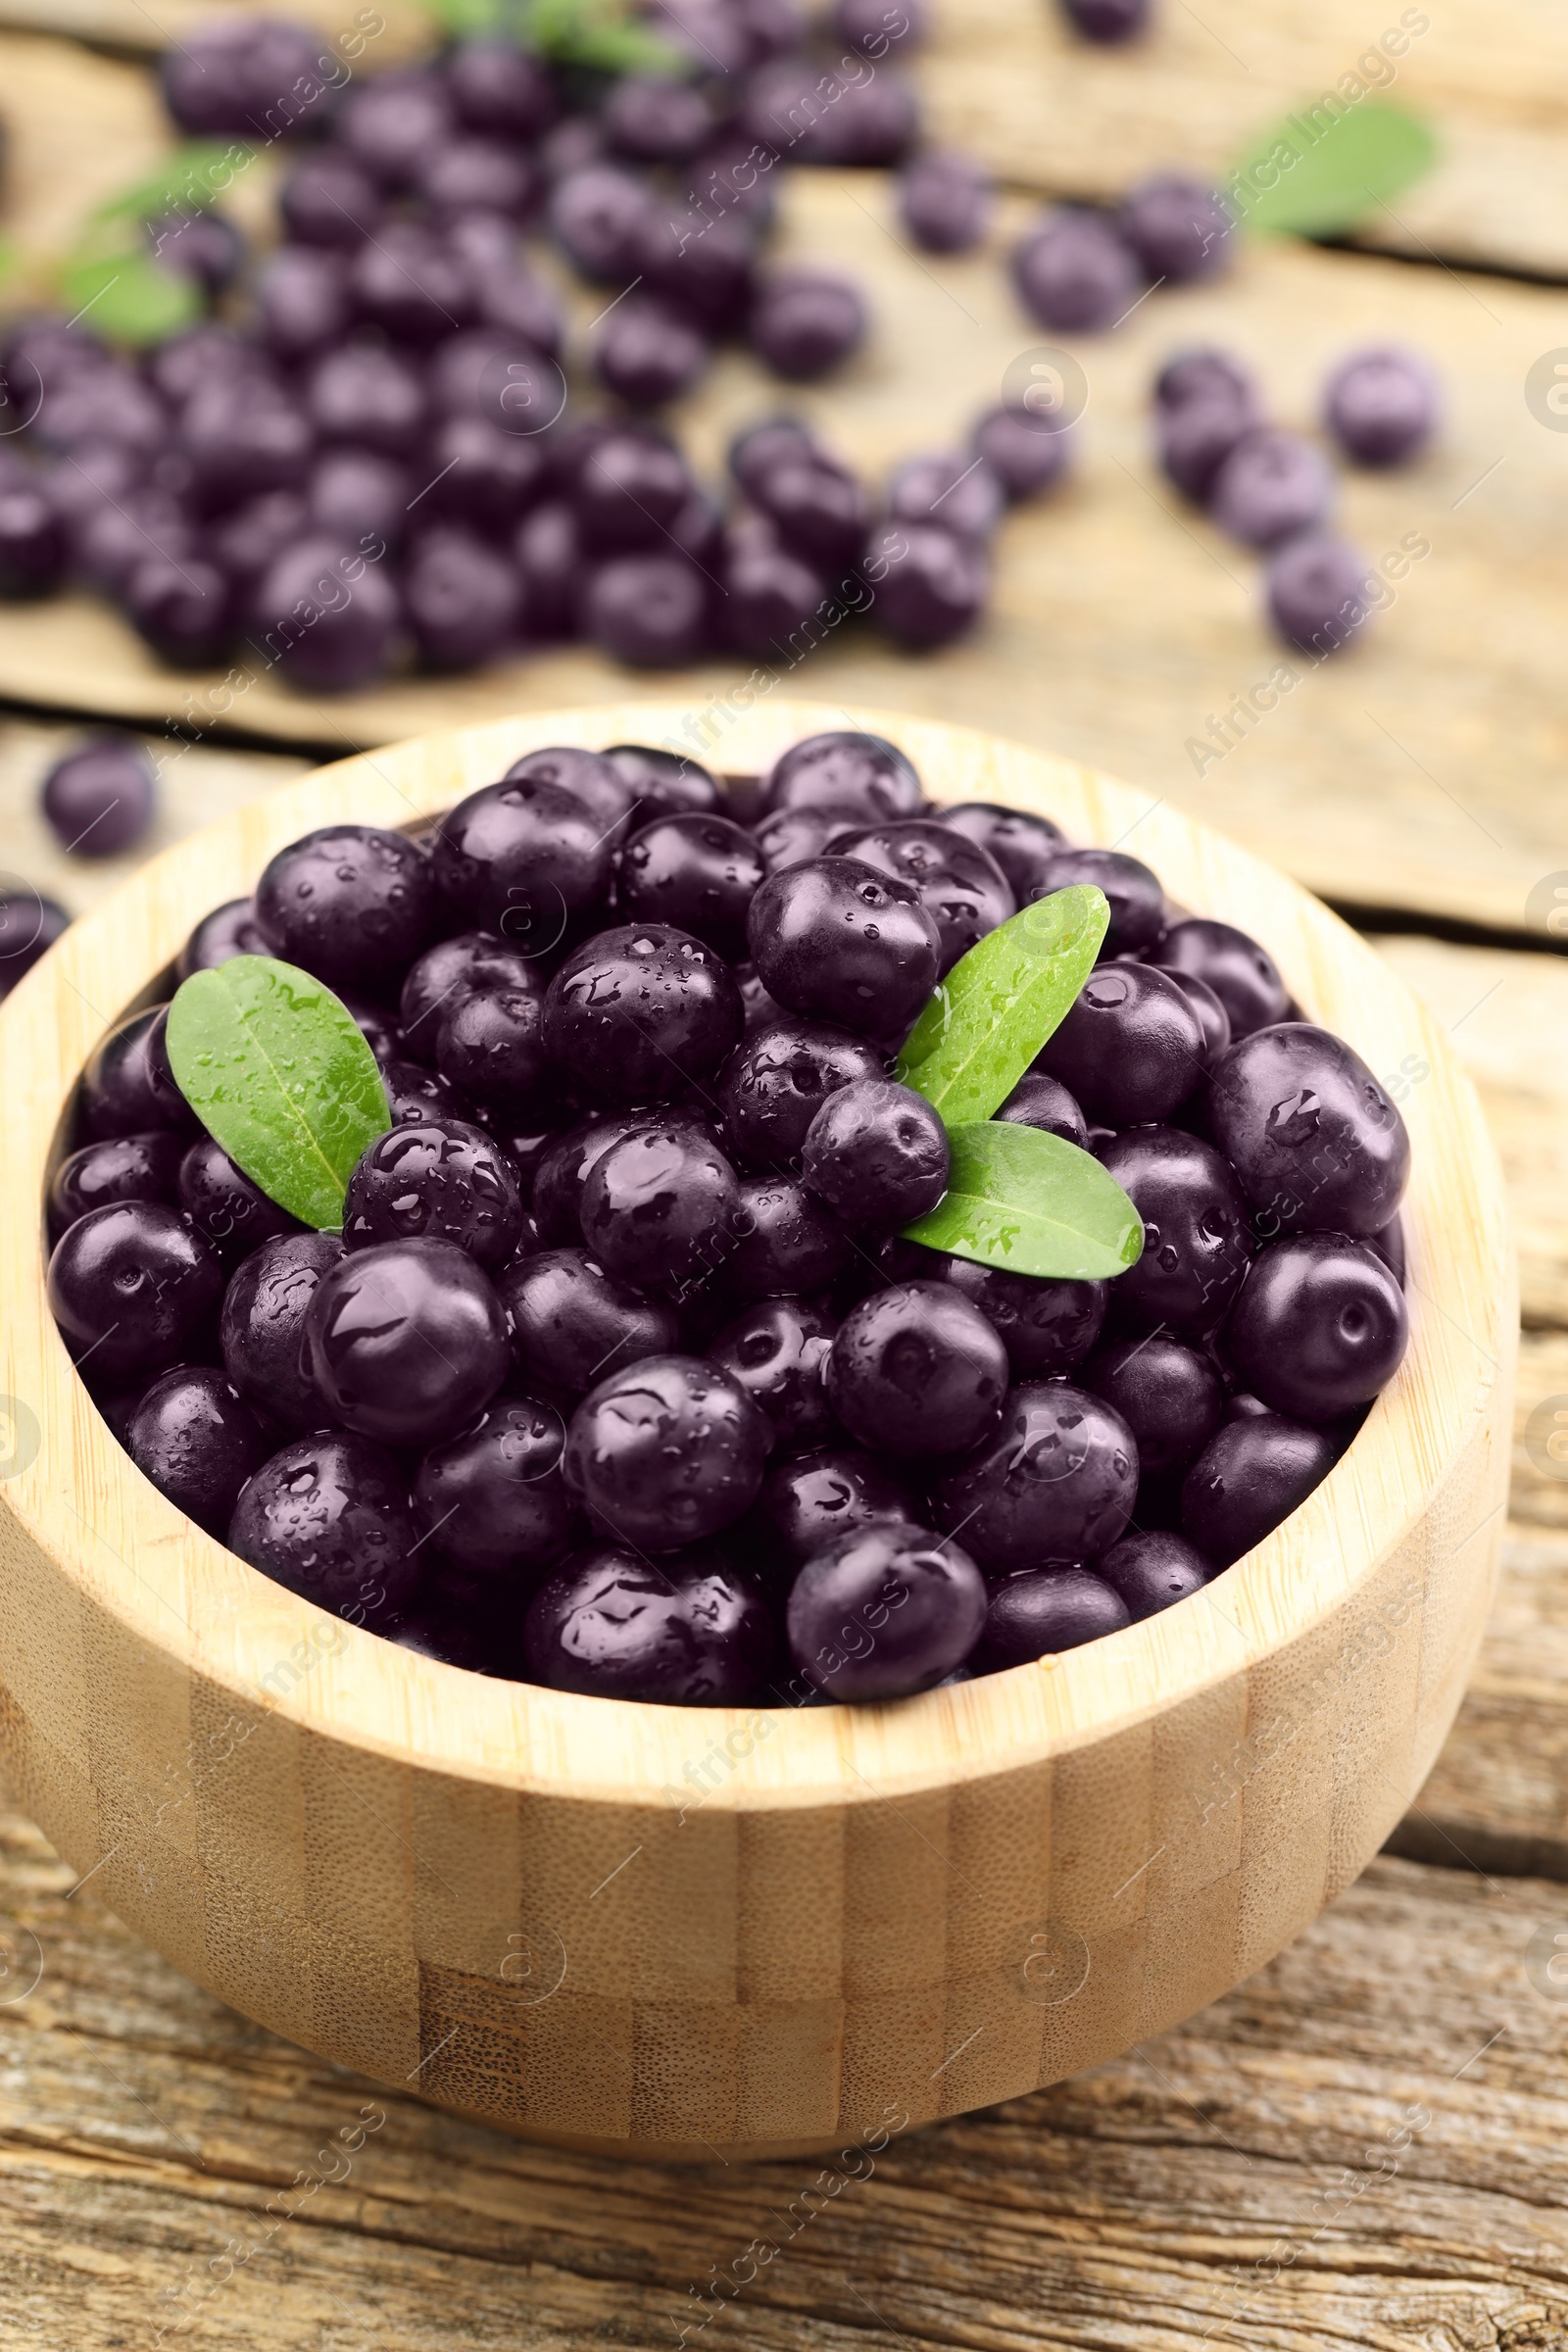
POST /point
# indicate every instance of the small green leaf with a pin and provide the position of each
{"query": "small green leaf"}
(999, 1005)
(1325, 167)
(1028, 1202)
(185, 178)
(129, 296)
(280, 1074)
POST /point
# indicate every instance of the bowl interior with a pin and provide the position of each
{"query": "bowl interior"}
(186, 1594)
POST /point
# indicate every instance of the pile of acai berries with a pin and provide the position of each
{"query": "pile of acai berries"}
(361, 457)
(623, 1376)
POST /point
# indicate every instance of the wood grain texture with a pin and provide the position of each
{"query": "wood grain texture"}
(340, 1838)
(1420, 771)
(1361, 2146)
(1006, 79)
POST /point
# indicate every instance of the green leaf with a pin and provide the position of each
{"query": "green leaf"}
(185, 178)
(1028, 1202)
(280, 1074)
(999, 1005)
(1326, 166)
(129, 296)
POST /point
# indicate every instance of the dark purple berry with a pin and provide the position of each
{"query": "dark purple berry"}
(1109, 23)
(660, 1208)
(1130, 1048)
(1273, 486)
(181, 607)
(520, 857)
(1151, 1568)
(462, 599)
(601, 217)
(1073, 273)
(1321, 1326)
(1170, 1398)
(931, 584)
(1198, 433)
(916, 1371)
(1038, 1612)
(649, 610)
(1197, 1238)
(497, 86)
(1055, 1482)
(886, 1610)
(1044, 1103)
(363, 394)
(327, 614)
(1314, 1139)
(352, 904)
(773, 1086)
(776, 441)
(493, 1499)
(303, 307)
(810, 1500)
(413, 1093)
(244, 76)
(1243, 975)
(611, 1625)
(666, 783)
(328, 1517)
(768, 593)
(1179, 228)
(99, 799)
(961, 885)
(777, 1349)
(472, 963)
(229, 930)
(440, 1178)
(126, 1167)
(945, 202)
(647, 354)
(127, 1084)
(1320, 593)
(1203, 373)
(490, 1046)
(820, 511)
(358, 496)
(1020, 843)
(877, 1153)
(587, 776)
(477, 175)
(406, 1341)
(1382, 406)
(960, 494)
(198, 1440)
(640, 1011)
(795, 836)
(572, 1324)
(699, 873)
(329, 200)
(1026, 451)
(1137, 901)
(787, 1242)
(563, 1172)
(132, 1289)
(667, 1452)
(839, 941)
(1253, 1472)
(264, 1315)
(1046, 1327)
(32, 541)
(844, 770)
(805, 321)
(233, 1215)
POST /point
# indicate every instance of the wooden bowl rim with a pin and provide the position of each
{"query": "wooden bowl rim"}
(185, 1596)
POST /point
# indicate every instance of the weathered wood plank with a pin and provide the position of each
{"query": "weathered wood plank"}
(1006, 79)
(1364, 2145)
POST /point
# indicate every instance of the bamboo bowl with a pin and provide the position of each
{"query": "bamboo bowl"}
(683, 1933)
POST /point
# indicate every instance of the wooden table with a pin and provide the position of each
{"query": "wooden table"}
(1364, 2146)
